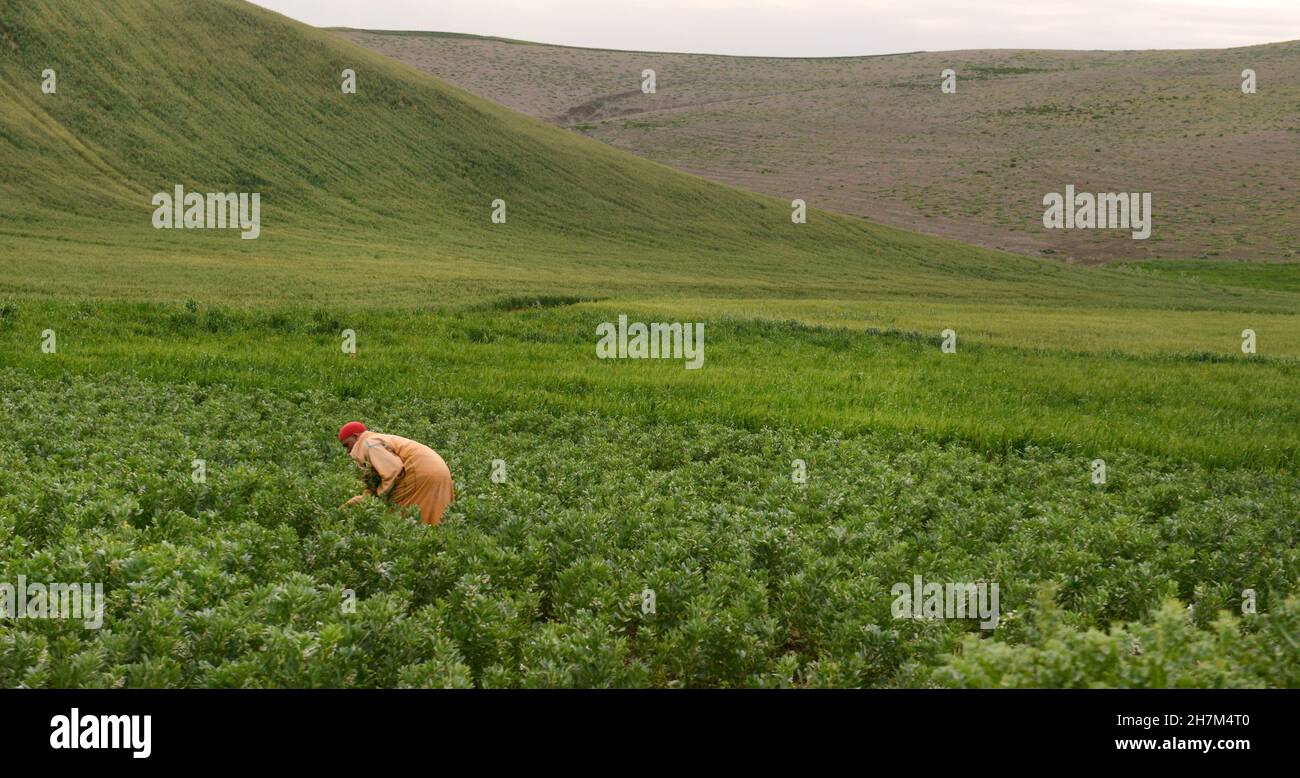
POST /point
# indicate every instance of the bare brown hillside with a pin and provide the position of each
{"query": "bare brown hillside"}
(874, 136)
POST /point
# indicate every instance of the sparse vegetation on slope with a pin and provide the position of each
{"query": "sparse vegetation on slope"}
(874, 136)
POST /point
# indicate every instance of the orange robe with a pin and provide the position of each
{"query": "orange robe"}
(411, 473)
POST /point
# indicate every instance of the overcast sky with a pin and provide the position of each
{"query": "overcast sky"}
(827, 27)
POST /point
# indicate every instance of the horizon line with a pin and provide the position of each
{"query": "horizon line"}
(522, 42)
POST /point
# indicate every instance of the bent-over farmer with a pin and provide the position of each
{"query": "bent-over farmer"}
(408, 473)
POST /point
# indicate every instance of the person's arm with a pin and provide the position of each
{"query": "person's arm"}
(387, 464)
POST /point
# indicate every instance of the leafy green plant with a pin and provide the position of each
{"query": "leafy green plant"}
(256, 578)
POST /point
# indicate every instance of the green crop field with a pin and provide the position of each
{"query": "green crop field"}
(127, 353)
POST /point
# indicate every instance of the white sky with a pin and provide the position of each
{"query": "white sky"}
(827, 27)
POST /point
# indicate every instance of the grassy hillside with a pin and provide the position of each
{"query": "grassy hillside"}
(391, 189)
(822, 345)
(874, 136)
(1248, 275)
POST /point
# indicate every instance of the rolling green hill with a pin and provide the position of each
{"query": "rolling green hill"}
(389, 191)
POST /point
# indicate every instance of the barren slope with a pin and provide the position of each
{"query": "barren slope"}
(874, 136)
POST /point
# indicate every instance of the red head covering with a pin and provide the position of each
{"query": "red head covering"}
(350, 429)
